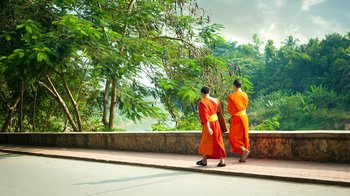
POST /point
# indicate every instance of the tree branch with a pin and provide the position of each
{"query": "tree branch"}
(3, 99)
(48, 89)
(131, 5)
(194, 48)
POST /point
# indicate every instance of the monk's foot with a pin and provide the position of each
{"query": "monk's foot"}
(201, 163)
(244, 156)
(221, 164)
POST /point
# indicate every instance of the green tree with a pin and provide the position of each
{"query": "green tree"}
(68, 48)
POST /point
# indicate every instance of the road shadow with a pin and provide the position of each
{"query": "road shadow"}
(128, 179)
(4, 155)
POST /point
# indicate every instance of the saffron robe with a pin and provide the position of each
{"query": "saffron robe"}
(211, 145)
(238, 135)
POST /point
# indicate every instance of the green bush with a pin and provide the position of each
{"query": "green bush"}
(268, 124)
(322, 97)
(343, 101)
(189, 122)
(326, 119)
(162, 124)
(161, 127)
(263, 109)
(291, 112)
(318, 108)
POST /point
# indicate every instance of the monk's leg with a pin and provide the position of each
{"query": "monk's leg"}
(244, 155)
(204, 159)
(222, 161)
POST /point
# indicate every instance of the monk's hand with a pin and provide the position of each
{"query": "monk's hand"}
(210, 131)
(207, 126)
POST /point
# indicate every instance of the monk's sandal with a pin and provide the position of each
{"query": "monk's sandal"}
(201, 163)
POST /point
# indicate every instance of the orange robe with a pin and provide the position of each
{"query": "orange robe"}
(238, 135)
(211, 145)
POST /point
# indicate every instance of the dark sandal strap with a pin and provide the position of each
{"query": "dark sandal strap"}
(201, 163)
(221, 165)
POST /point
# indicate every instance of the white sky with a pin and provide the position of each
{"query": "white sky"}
(277, 19)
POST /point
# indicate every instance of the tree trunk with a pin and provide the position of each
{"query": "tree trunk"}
(20, 119)
(65, 126)
(56, 95)
(12, 111)
(34, 109)
(105, 103)
(74, 103)
(113, 104)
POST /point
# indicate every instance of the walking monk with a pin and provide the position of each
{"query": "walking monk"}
(212, 144)
(238, 135)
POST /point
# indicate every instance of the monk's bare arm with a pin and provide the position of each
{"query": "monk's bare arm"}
(207, 127)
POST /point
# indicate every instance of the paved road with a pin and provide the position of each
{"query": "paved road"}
(32, 175)
(285, 170)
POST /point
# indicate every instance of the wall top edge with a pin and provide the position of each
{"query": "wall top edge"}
(190, 132)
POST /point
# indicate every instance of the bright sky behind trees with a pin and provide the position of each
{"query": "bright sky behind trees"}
(277, 19)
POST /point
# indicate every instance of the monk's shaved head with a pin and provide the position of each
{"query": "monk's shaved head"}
(205, 90)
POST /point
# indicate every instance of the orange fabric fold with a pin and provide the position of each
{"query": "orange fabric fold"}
(211, 145)
(238, 135)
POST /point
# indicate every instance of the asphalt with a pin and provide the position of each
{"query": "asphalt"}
(285, 170)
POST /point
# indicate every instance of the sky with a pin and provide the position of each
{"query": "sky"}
(277, 19)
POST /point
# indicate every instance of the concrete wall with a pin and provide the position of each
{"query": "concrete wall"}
(322, 146)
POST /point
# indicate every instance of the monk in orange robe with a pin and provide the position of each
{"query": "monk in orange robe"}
(238, 135)
(212, 144)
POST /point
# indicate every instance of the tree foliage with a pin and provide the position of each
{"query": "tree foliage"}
(58, 53)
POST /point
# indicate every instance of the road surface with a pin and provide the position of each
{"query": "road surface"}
(33, 175)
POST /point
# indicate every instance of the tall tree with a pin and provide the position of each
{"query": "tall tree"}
(48, 41)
